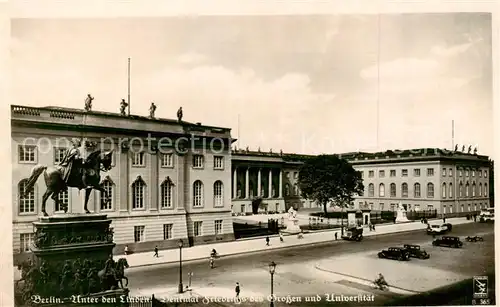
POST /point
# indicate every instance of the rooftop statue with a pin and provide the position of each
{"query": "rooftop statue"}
(123, 106)
(152, 110)
(88, 103)
(179, 114)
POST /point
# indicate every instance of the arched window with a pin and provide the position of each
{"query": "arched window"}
(404, 190)
(218, 194)
(474, 189)
(430, 190)
(467, 189)
(287, 189)
(26, 200)
(107, 185)
(461, 190)
(393, 190)
(485, 190)
(416, 190)
(381, 190)
(166, 192)
(443, 192)
(480, 189)
(197, 193)
(371, 190)
(63, 201)
(138, 193)
(450, 190)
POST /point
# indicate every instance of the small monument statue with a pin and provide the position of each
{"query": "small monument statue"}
(293, 222)
(401, 214)
(463, 148)
(88, 103)
(475, 150)
(469, 149)
(152, 110)
(179, 114)
(456, 147)
(123, 106)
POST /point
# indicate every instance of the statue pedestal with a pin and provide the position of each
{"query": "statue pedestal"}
(69, 247)
(293, 226)
(401, 217)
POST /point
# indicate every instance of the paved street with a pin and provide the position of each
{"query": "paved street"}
(337, 267)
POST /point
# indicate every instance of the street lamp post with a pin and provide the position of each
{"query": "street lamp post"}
(181, 290)
(272, 268)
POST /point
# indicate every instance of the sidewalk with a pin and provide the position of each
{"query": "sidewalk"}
(258, 244)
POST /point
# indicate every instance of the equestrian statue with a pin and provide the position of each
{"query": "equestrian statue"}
(73, 171)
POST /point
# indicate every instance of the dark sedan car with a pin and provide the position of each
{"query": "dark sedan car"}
(448, 241)
(416, 252)
(397, 253)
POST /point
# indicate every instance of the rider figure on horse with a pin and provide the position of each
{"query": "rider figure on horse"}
(68, 162)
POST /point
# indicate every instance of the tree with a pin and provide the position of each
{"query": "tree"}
(329, 178)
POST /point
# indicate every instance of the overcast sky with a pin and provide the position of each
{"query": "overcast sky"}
(307, 84)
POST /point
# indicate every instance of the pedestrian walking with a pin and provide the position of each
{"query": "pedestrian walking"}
(444, 219)
(335, 236)
(281, 238)
(373, 226)
(125, 251)
(267, 241)
(156, 252)
(237, 290)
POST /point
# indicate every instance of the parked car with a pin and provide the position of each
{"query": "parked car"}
(353, 234)
(416, 252)
(448, 241)
(437, 229)
(397, 253)
(474, 239)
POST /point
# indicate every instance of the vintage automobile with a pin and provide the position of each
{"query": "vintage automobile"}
(397, 253)
(448, 241)
(353, 234)
(474, 239)
(437, 229)
(416, 252)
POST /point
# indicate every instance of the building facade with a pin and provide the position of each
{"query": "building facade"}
(453, 183)
(170, 180)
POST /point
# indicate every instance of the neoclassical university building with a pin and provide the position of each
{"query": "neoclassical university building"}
(174, 180)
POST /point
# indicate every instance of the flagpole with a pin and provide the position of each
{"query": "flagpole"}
(452, 134)
(128, 87)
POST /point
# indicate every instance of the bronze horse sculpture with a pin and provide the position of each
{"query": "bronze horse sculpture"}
(112, 276)
(96, 162)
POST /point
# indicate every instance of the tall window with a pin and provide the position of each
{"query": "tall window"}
(461, 190)
(473, 189)
(218, 162)
(138, 159)
(480, 190)
(26, 200)
(371, 190)
(218, 194)
(473, 173)
(404, 173)
(404, 190)
(287, 189)
(393, 190)
(416, 190)
(27, 153)
(444, 172)
(167, 231)
(450, 190)
(63, 201)
(392, 173)
(107, 185)
(485, 190)
(443, 192)
(139, 233)
(485, 174)
(467, 189)
(167, 160)
(371, 174)
(26, 240)
(416, 172)
(197, 193)
(138, 191)
(466, 173)
(166, 193)
(218, 227)
(197, 228)
(459, 173)
(381, 190)
(430, 190)
(198, 161)
(450, 172)
(430, 172)
(59, 154)
(381, 174)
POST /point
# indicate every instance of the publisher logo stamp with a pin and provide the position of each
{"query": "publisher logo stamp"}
(480, 286)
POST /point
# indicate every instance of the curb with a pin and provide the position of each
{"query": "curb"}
(266, 250)
(364, 279)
